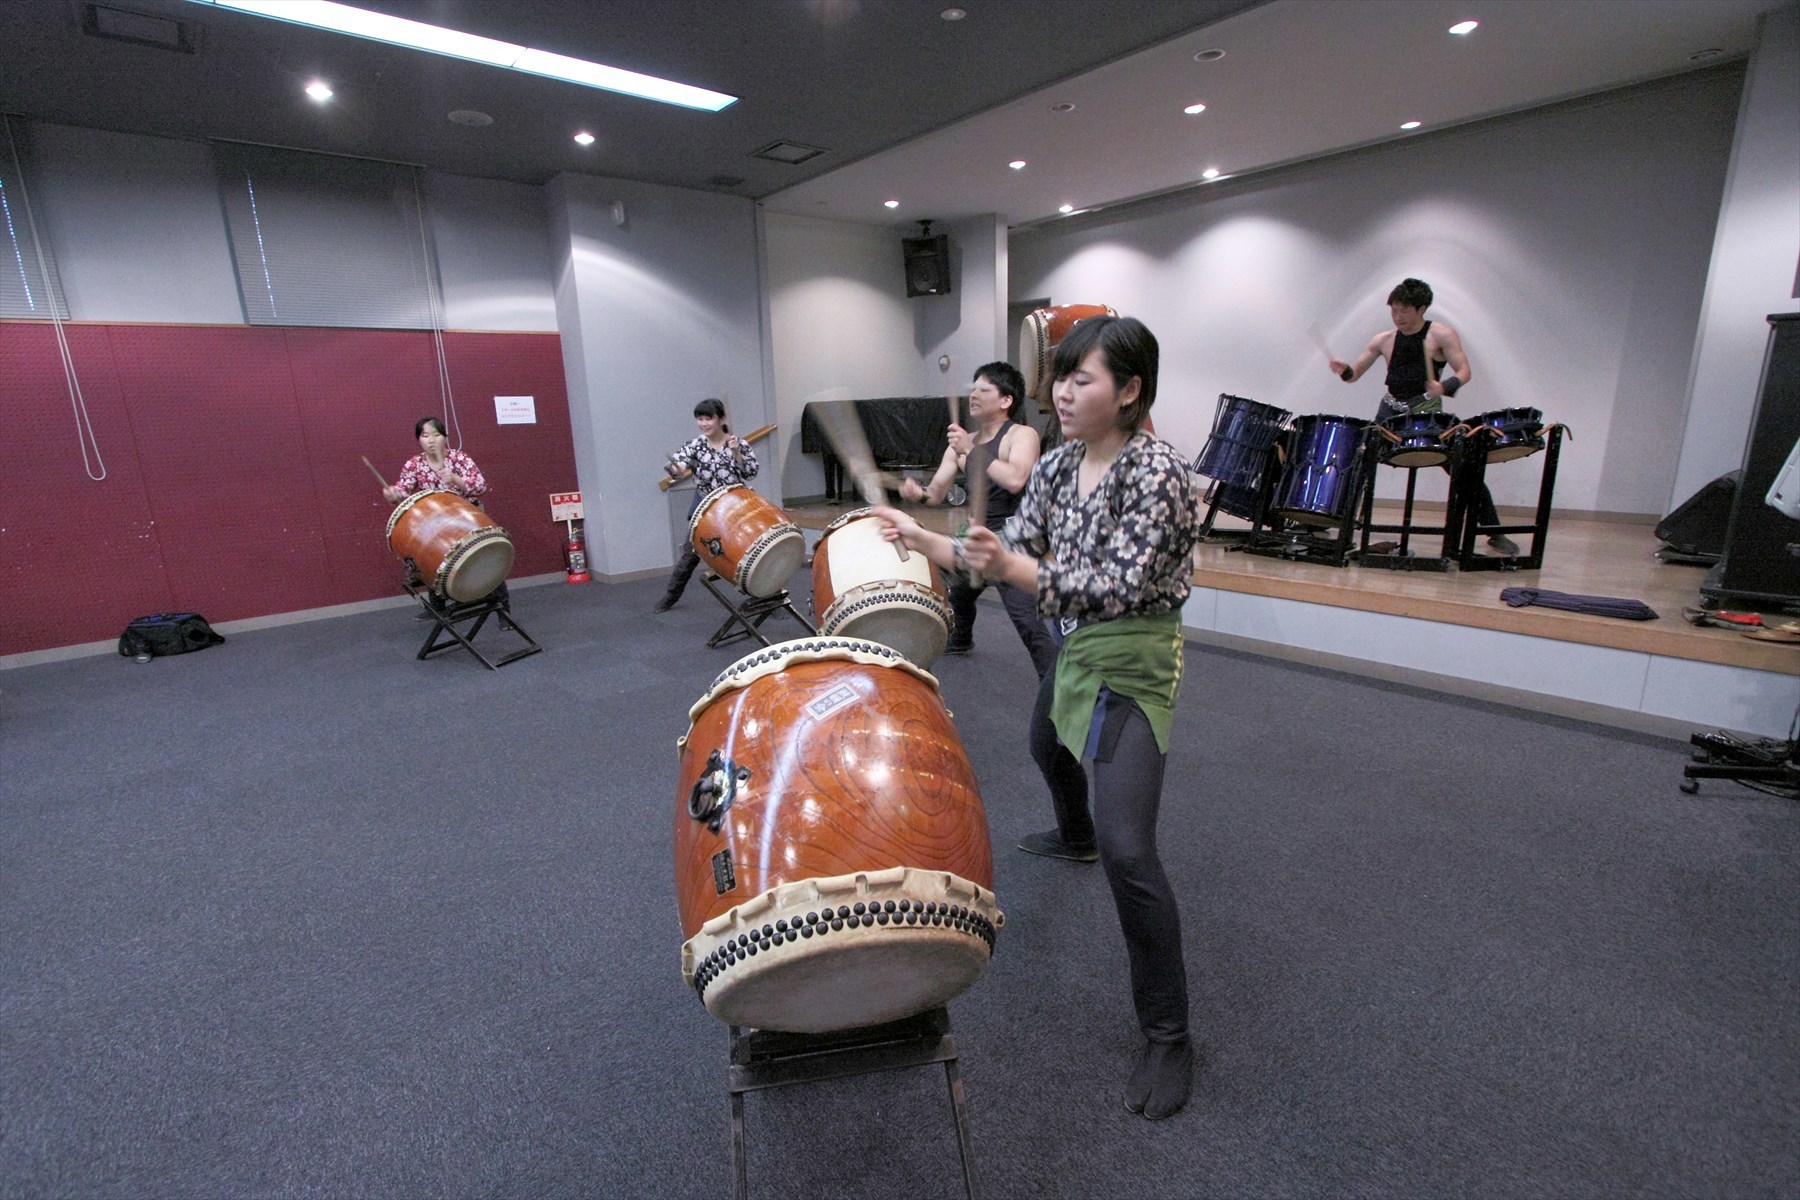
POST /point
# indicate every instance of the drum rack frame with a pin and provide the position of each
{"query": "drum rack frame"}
(763, 1059)
(1471, 473)
(750, 612)
(1402, 558)
(445, 620)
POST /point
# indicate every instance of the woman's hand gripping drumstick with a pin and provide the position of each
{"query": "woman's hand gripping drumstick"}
(843, 429)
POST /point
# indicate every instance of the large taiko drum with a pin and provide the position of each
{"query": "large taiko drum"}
(1040, 333)
(747, 540)
(459, 550)
(861, 589)
(832, 863)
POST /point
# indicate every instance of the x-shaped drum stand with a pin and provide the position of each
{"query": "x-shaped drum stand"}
(748, 612)
(446, 619)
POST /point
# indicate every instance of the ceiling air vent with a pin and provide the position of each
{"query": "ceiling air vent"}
(140, 29)
(790, 153)
(726, 181)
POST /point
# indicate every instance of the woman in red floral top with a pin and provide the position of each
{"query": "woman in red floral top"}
(437, 469)
(1104, 537)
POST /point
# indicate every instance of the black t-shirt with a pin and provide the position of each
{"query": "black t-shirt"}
(1406, 364)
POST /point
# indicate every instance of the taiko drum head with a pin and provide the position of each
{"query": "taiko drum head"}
(457, 547)
(862, 589)
(832, 861)
(746, 539)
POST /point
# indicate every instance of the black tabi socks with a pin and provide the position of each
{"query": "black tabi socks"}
(1161, 1080)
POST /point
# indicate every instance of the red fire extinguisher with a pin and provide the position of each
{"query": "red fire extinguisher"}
(576, 554)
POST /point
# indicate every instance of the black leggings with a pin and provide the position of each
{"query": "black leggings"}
(1021, 607)
(1128, 780)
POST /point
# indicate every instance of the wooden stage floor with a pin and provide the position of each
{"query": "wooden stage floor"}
(1584, 556)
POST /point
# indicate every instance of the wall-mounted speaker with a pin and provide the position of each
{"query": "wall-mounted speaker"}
(927, 265)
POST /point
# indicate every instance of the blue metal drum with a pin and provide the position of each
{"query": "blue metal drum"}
(1243, 432)
(1319, 478)
(1510, 432)
(1421, 439)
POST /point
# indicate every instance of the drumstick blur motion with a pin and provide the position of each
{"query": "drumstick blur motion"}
(1318, 337)
(375, 473)
(975, 480)
(843, 429)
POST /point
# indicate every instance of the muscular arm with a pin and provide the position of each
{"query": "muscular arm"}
(1449, 348)
(935, 491)
(1012, 466)
(1376, 349)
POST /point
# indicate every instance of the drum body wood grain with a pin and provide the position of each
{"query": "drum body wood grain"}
(747, 540)
(459, 550)
(861, 589)
(832, 863)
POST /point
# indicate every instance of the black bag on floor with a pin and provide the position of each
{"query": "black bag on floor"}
(167, 633)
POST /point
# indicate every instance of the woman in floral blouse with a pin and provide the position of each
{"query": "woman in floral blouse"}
(437, 468)
(1104, 534)
(716, 459)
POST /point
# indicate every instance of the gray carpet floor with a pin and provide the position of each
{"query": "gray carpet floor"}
(301, 915)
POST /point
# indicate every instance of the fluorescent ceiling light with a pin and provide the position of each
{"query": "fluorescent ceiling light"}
(416, 35)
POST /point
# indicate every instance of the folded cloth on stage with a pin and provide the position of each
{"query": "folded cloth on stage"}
(1599, 606)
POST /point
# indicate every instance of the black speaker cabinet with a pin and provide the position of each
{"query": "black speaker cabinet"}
(927, 265)
(1762, 547)
(1697, 529)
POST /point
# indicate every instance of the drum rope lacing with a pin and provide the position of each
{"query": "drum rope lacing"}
(835, 617)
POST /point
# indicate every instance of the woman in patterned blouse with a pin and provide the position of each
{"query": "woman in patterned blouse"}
(717, 458)
(1104, 534)
(437, 468)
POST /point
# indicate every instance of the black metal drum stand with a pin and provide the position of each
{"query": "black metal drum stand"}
(446, 615)
(1469, 474)
(1400, 557)
(747, 613)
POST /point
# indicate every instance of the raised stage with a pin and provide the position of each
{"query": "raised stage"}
(1450, 631)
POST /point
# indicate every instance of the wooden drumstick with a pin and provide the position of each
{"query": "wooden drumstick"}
(975, 479)
(843, 429)
(755, 435)
(375, 473)
(1318, 337)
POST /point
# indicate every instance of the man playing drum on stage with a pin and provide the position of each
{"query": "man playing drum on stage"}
(717, 458)
(1104, 538)
(1408, 347)
(436, 468)
(1012, 451)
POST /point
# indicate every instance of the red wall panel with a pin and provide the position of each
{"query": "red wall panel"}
(235, 485)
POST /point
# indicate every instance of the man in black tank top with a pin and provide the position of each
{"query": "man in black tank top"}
(1416, 351)
(1013, 449)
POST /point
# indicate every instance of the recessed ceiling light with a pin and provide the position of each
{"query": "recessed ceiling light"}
(1017, 164)
(318, 90)
(1210, 173)
(953, 14)
(1194, 110)
(890, 204)
(1464, 28)
(1209, 56)
(1062, 106)
(471, 118)
(1410, 124)
(434, 39)
(1067, 208)
(584, 138)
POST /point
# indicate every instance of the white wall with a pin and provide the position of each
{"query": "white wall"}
(1567, 245)
(1755, 257)
(656, 314)
(139, 235)
(841, 324)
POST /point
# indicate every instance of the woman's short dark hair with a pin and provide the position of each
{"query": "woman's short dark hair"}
(710, 407)
(1006, 380)
(1414, 293)
(1131, 352)
(422, 422)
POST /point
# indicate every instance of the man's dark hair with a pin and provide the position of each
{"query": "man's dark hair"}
(1414, 293)
(1130, 350)
(1006, 380)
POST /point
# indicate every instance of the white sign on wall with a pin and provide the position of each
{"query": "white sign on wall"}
(515, 410)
